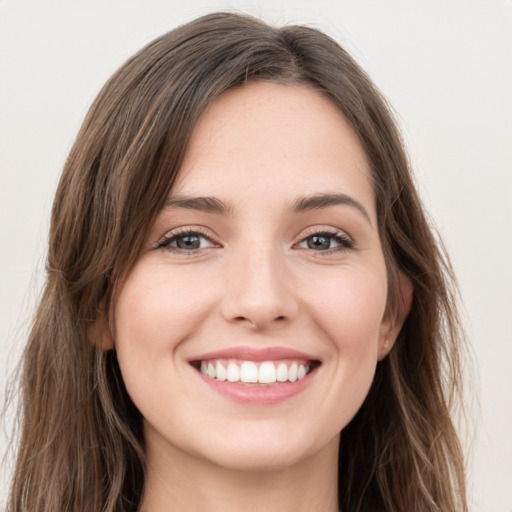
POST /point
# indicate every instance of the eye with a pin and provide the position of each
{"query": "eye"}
(186, 241)
(326, 241)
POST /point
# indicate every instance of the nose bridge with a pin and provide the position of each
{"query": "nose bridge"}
(260, 290)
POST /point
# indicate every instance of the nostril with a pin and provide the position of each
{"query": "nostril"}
(278, 319)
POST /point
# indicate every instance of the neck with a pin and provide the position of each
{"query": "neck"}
(176, 480)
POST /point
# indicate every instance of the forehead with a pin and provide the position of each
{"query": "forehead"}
(274, 139)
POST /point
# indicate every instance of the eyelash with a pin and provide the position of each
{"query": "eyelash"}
(343, 241)
(175, 235)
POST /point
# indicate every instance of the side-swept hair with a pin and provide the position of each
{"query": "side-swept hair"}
(81, 444)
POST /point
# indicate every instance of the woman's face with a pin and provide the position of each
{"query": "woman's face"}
(265, 272)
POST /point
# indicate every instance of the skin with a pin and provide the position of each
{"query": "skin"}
(256, 282)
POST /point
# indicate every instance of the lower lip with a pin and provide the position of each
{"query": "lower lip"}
(258, 394)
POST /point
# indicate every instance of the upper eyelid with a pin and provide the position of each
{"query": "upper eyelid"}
(329, 230)
(183, 230)
(210, 235)
(348, 243)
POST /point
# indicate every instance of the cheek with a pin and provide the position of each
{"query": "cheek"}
(155, 312)
(156, 307)
(350, 313)
(350, 308)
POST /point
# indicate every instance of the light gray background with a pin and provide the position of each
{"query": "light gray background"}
(444, 65)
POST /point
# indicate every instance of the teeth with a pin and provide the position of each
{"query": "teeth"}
(221, 372)
(211, 371)
(292, 372)
(282, 372)
(233, 374)
(248, 372)
(267, 373)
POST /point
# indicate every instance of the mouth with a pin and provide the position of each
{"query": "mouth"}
(253, 372)
(263, 375)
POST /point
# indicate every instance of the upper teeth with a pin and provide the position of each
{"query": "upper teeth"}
(268, 372)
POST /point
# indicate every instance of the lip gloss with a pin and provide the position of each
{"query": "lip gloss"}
(258, 394)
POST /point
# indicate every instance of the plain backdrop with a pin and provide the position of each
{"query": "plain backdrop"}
(446, 67)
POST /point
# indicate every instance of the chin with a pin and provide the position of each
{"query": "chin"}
(265, 451)
(258, 460)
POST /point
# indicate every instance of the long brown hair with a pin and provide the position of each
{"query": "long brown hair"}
(81, 445)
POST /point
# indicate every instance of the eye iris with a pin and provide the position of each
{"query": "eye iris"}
(321, 242)
(188, 242)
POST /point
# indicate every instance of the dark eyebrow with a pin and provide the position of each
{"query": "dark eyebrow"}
(300, 205)
(203, 204)
(318, 201)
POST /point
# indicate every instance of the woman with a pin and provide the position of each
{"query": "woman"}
(239, 270)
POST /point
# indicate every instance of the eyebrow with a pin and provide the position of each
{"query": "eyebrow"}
(319, 201)
(202, 204)
(300, 205)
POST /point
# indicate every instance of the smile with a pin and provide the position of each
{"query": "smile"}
(255, 372)
(263, 376)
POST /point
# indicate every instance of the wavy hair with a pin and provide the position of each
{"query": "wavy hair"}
(81, 447)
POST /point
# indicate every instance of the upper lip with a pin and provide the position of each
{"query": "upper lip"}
(254, 354)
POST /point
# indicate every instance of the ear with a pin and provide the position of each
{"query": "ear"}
(393, 320)
(99, 333)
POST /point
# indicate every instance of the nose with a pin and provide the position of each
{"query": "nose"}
(260, 292)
